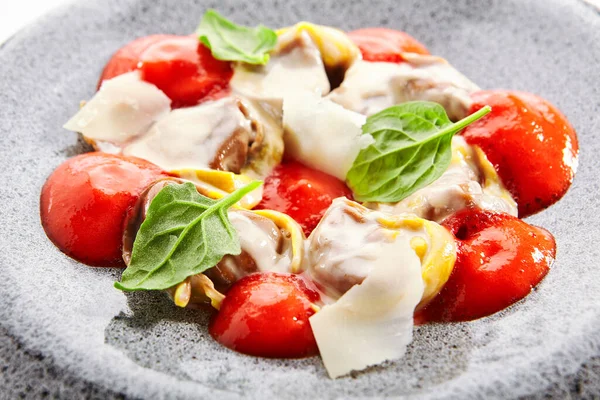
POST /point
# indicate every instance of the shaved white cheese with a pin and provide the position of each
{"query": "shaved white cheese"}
(294, 66)
(123, 108)
(337, 49)
(321, 134)
(368, 262)
(190, 137)
(373, 321)
(370, 87)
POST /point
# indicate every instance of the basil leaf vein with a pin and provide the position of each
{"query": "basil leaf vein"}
(412, 148)
(184, 234)
(230, 42)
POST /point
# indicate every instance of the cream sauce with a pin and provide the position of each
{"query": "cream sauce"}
(348, 243)
(370, 87)
(263, 241)
(267, 150)
(469, 181)
(191, 137)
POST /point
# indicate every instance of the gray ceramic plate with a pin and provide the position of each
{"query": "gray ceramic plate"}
(66, 332)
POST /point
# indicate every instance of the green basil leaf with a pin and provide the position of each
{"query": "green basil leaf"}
(231, 42)
(184, 234)
(412, 148)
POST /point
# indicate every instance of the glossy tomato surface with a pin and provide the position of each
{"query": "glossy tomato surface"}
(499, 260)
(531, 144)
(266, 315)
(180, 66)
(127, 58)
(185, 70)
(84, 202)
(382, 44)
(301, 192)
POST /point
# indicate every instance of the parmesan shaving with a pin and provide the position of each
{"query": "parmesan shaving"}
(123, 108)
(373, 321)
(321, 134)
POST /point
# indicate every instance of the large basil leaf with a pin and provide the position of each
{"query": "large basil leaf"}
(412, 148)
(184, 234)
(231, 42)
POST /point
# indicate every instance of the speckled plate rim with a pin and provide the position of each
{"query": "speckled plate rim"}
(583, 338)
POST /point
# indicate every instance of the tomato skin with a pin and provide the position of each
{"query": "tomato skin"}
(301, 192)
(499, 260)
(185, 70)
(531, 144)
(266, 315)
(382, 44)
(127, 58)
(84, 202)
(180, 66)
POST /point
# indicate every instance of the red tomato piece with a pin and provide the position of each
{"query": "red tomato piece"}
(301, 192)
(266, 315)
(84, 202)
(531, 144)
(127, 58)
(499, 260)
(185, 70)
(382, 44)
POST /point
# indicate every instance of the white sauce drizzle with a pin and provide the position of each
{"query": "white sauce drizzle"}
(465, 183)
(370, 87)
(190, 137)
(259, 238)
(372, 281)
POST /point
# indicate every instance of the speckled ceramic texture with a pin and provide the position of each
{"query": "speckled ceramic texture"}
(66, 332)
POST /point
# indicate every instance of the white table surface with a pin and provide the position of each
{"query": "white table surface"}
(14, 14)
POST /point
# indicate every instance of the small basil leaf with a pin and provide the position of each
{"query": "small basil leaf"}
(412, 148)
(231, 42)
(184, 234)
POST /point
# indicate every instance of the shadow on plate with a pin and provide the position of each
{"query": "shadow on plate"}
(79, 147)
(158, 335)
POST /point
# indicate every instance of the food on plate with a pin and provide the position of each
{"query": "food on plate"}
(525, 137)
(499, 259)
(84, 203)
(385, 45)
(268, 315)
(350, 240)
(184, 70)
(370, 87)
(302, 193)
(321, 190)
(469, 181)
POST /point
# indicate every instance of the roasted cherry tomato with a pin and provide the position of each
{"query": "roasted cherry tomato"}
(84, 202)
(180, 66)
(532, 145)
(127, 58)
(185, 70)
(382, 44)
(266, 315)
(499, 260)
(301, 192)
